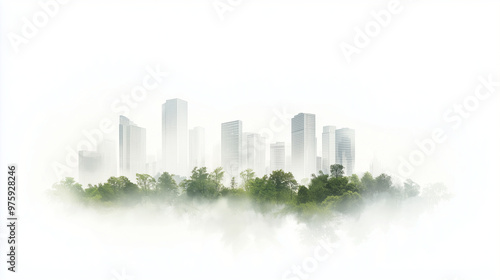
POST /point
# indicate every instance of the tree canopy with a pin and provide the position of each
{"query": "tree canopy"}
(323, 192)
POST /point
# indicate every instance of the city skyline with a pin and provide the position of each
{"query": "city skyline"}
(239, 149)
(417, 81)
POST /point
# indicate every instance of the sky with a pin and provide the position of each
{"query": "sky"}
(254, 62)
(262, 62)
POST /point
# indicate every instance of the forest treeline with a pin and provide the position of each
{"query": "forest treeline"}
(323, 193)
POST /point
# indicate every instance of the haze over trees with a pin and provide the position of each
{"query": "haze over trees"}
(324, 193)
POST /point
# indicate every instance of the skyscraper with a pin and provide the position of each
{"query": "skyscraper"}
(303, 145)
(90, 165)
(278, 156)
(97, 166)
(345, 149)
(231, 148)
(197, 147)
(256, 153)
(318, 165)
(107, 149)
(175, 136)
(328, 148)
(132, 148)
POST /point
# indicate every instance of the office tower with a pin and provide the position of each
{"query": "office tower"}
(278, 156)
(345, 149)
(175, 137)
(256, 153)
(132, 150)
(196, 147)
(303, 145)
(107, 149)
(319, 165)
(90, 165)
(328, 148)
(231, 148)
(244, 151)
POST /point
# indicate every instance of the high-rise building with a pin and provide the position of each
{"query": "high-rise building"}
(132, 150)
(345, 149)
(197, 147)
(97, 166)
(318, 165)
(175, 137)
(244, 151)
(231, 148)
(256, 153)
(328, 148)
(107, 149)
(90, 165)
(278, 156)
(303, 145)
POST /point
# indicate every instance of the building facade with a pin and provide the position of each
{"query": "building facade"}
(175, 137)
(345, 149)
(231, 148)
(278, 159)
(256, 153)
(197, 147)
(132, 148)
(328, 148)
(303, 145)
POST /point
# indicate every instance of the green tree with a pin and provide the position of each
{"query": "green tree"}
(68, 188)
(368, 183)
(121, 184)
(233, 183)
(318, 189)
(355, 180)
(123, 191)
(146, 183)
(383, 183)
(345, 203)
(303, 195)
(201, 184)
(284, 183)
(262, 191)
(92, 194)
(411, 188)
(217, 176)
(106, 192)
(337, 170)
(166, 187)
(247, 176)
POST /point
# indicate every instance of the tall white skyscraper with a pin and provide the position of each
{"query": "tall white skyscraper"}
(345, 149)
(132, 150)
(197, 147)
(303, 145)
(175, 137)
(278, 156)
(256, 153)
(231, 148)
(328, 148)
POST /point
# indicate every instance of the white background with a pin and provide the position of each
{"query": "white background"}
(264, 56)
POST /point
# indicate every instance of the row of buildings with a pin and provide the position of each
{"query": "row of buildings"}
(184, 149)
(241, 150)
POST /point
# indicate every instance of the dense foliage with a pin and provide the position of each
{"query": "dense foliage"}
(324, 192)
